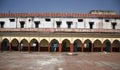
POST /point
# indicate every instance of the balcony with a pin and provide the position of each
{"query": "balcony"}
(58, 30)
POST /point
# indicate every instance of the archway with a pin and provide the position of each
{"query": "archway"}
(107, 46)
(24, 45)
(97, 46)
(87, 45)
(44, 45)
(65, 45)
(115, 46)
(54, 45)
(77, 45)
(33, 45)
(5, 45)
(14, 45)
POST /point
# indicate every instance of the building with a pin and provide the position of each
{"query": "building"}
(102, 12)
(67, 32)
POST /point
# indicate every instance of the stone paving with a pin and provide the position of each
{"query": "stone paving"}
(59, 61)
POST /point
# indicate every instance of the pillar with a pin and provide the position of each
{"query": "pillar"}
(60, 47)
(10, 46)
(28, 47)
(19, 47)
(48, 47)
(71, 47)
(102, 47)
(92, 49)
(38, 47)
(119, 48)
(110, 47)
(82, 47)
(0, 47)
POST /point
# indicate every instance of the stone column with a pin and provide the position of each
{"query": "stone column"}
(19, 47)
(60, 47)
(0, 47)
(82, 47)
(102, 47)
(48, 47)
(119, 48)
(28, 47)
(92, 49)
(10, 46)
(71, 47)
(110, 47)
(38, 47)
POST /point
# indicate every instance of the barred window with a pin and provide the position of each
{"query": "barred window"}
(2, 24)
(58, 24)
(37, 24)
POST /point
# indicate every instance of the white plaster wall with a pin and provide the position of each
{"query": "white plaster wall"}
(7, 24)
(98, 23)
(80, 24)
(64, 25)
(118, 24)
(107, 25)
(48, 24)
(86, 23)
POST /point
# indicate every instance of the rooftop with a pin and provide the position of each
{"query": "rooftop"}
(68, 15)
(103, 12)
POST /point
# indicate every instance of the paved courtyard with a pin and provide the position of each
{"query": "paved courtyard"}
(59, 61)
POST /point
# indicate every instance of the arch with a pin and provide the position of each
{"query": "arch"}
(44, 45)
(5, 45)
(24, 45)
(116, 46)
(34, 45)
(69, 39)
(54, 45)
(77, 45)
(55, 38)
(97, 45)
(65, 45)
(87, 45)
(14, 45)
(106, 45)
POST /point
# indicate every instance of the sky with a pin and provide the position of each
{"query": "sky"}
(61, 6)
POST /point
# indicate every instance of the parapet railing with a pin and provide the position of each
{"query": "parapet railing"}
(59, 30)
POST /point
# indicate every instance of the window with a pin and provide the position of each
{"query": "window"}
(47, 19)
(91, 25)
(58, 24)
(80, 20)
(69, 23)
(37, 24)
(2, 24)
(29, 20)
(22, 24)
(113, 25)
(107, 20)
(12, 20)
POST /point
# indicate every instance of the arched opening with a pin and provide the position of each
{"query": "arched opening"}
(34, 45)
(87, 45)
(65, 45)
(14, 45)
(44, 45)
(115, 46)
(107, 45)
(54, 45)
(77, 45)
(24, 45)
(97, 46)
(5, 45)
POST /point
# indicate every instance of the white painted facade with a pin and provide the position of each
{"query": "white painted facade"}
(30, 22)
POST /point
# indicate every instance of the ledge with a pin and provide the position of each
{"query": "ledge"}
(58, 30)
